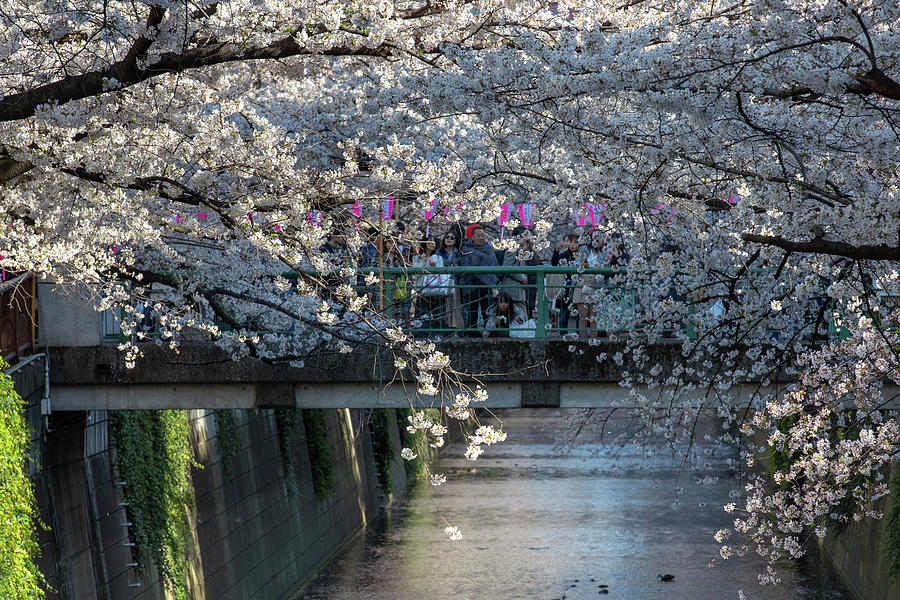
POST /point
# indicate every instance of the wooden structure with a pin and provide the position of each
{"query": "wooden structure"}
(17, 317)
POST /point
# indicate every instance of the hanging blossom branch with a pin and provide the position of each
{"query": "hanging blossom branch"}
(833, 442)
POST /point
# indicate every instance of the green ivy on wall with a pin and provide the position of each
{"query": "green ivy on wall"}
(20, 578)
(383, 445)
(416, 468)
(892, 529)
(319, 449)
(153, 455)
(228, 441)
(286, 425)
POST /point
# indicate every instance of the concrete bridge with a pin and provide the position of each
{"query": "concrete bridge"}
(87, 372)
(516, 373)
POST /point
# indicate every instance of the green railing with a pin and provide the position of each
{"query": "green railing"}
(419, 308)
(438, 301)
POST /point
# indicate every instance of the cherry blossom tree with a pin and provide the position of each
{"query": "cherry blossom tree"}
(742, 155)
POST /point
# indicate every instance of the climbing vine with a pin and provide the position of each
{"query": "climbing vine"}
(20, 578)
(416, 468)
(153, 455)
(319, 449)
(892, 530)
(227, 440)
(383, 445)
(286, 424)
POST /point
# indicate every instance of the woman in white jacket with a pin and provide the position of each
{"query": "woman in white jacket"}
(431, 289)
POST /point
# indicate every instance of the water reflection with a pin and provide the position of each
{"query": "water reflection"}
(540, 525)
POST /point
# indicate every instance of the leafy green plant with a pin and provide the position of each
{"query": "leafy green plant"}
(286, 424)
(20, 578)
(416, 468)
(227, 440)
(892, 528)
(319, 449)
(383, 445)
(154, 458)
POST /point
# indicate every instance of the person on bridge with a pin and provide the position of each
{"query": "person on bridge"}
(431, 289)
(559, 287)
(515, 284)
(477, 288)
(450, 253)
(503, 314)
(590, 256)
(401, 303)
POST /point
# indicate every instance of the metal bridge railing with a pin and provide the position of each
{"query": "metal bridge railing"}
(439, 302)
(463, 301)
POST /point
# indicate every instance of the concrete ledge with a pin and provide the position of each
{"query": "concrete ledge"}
(203, 362)
(144, 396)
(537, 373)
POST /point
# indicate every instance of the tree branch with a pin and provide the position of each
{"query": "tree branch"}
(822, 246)
(872, 82)
(126, 73)
(11, 168)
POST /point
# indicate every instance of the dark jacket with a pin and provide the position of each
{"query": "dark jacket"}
(478, 256)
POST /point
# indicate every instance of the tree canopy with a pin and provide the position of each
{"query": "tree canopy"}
(185, 155)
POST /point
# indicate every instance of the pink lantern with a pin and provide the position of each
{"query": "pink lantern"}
(660, 206)
(315, 218)
(387, 207)
(525, 217)
(429, 212)
(504, 214)
(356, 209)
(586, 212)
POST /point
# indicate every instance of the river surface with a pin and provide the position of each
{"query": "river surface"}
(540, 524)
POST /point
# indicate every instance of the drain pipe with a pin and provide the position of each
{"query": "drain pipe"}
(45, 399)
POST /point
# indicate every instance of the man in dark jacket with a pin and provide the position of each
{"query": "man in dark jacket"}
(477, 288)
(564, 255)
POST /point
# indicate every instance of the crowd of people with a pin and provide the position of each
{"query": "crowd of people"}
(476, 302)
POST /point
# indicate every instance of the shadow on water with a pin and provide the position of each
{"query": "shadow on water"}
(538, 524)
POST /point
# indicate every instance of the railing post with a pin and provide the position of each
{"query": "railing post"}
(540, 328)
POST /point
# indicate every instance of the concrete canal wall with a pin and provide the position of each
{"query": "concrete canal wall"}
(258, 533)
(857, 554)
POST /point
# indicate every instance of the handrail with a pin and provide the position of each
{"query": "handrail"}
(541, 301)
(498, 270)
(542, 308)
(542, 304)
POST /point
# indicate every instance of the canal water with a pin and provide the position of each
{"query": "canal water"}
(541, 524)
